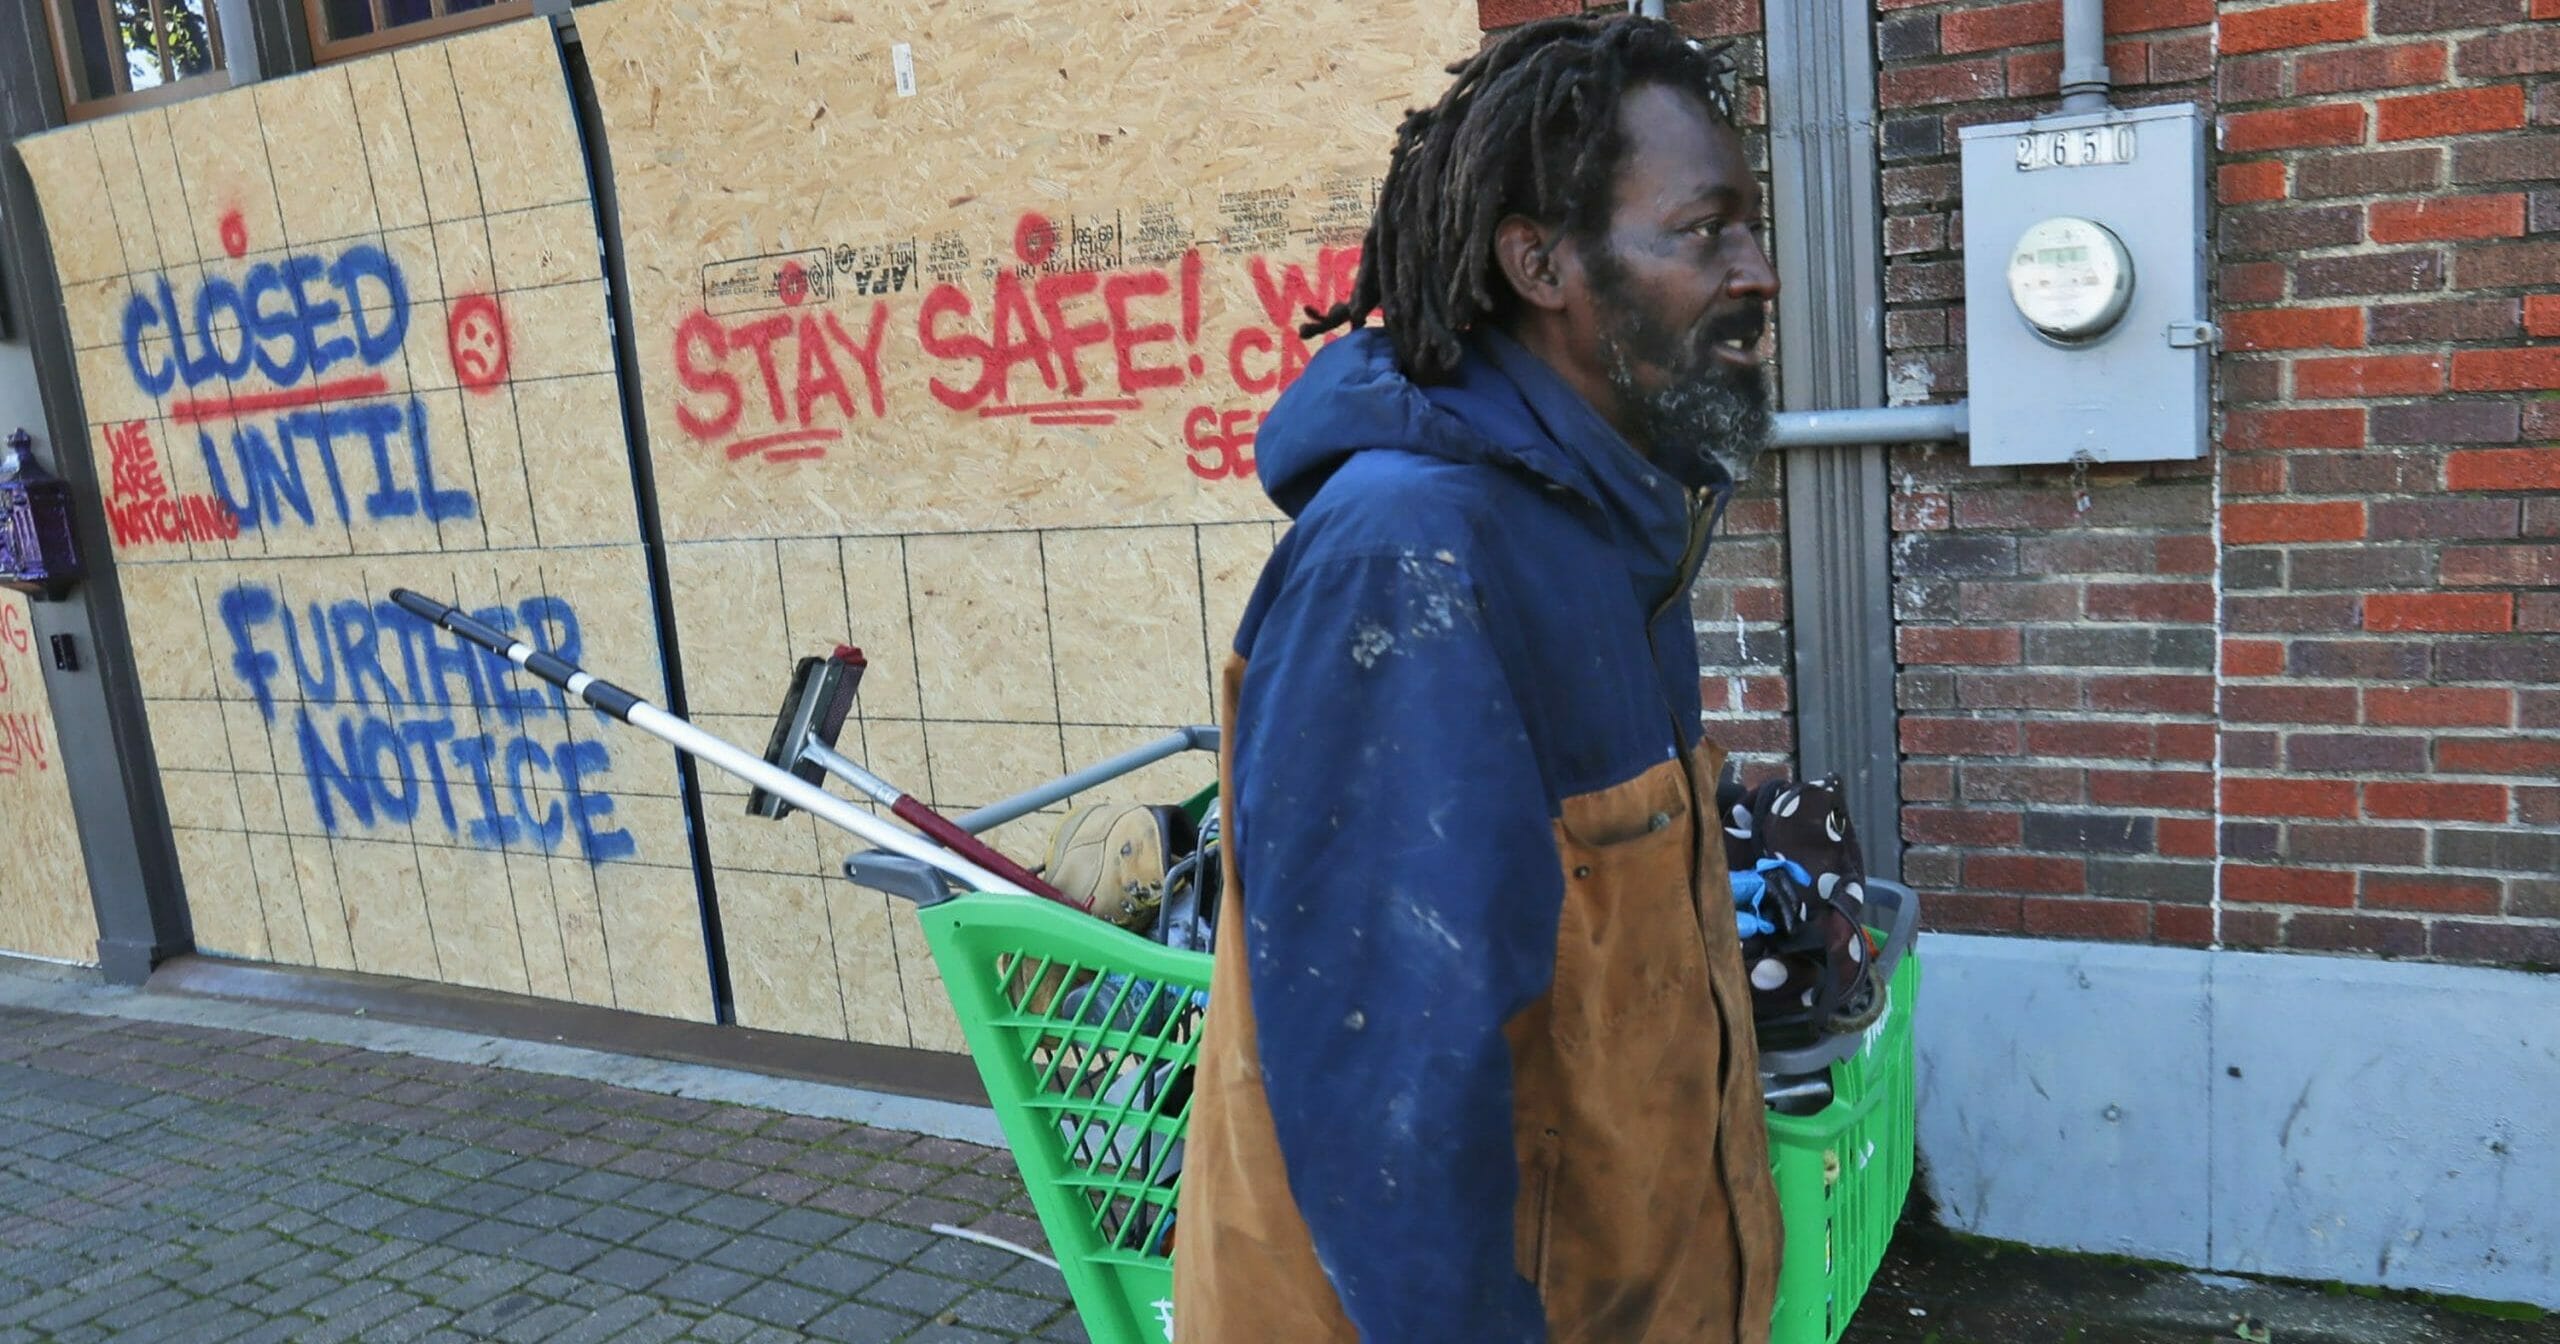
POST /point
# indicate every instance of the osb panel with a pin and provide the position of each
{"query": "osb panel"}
(319, 367)
(966, 373)
(44, 884)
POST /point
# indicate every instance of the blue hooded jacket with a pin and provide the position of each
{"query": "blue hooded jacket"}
(1466, 681)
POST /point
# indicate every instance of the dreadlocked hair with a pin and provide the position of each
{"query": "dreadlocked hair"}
(1529, 127)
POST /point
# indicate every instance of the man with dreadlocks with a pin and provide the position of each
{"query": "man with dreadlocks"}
(1480, 1064)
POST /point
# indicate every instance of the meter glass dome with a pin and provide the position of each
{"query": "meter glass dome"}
(2070, 278)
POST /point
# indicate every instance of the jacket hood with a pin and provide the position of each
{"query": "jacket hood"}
(1505, 407)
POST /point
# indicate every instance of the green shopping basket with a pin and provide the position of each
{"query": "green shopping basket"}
(1085, 1035)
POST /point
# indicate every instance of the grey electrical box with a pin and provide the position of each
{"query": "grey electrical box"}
(2086, 337)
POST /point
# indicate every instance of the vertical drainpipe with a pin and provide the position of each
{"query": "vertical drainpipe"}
(2084, 56)
(1828, 226)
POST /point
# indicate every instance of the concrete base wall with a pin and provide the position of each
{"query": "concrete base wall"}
(2372, 1122)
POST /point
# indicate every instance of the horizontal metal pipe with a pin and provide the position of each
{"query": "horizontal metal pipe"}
(1024, 804)
(1878, 424)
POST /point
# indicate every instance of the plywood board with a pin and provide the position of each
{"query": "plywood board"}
(341, 333)
(955, 319)
(44, 884)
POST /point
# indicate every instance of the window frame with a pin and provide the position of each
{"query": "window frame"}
(76, 108)
(326, 50)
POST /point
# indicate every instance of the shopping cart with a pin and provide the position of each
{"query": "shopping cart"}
(1086, 1035)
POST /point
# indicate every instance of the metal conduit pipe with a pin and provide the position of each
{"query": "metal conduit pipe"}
(2084, 56)
(1883, 424)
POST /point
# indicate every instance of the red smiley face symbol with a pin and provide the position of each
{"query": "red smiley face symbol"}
(476, 338)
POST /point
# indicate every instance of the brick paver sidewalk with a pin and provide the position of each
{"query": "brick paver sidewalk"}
(197, 1186)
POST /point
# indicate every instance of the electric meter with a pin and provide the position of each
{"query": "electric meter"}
(2070, 277)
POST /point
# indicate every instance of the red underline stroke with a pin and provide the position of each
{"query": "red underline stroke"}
(233, 406)
(748, 447)
(1053, 407)
(1105, 418)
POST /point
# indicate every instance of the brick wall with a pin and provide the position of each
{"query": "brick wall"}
(2305, 693)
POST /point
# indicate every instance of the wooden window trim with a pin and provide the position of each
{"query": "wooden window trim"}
(326, 50)
(76, 108)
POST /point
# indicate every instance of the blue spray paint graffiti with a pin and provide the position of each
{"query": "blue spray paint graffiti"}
(376, 727)
(293, 322)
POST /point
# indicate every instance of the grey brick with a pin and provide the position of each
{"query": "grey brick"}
(669, 1197)
(613, 1223)
(490, 1237)
(1008, 1312)
(563, 1251)
(497, 1312)
(857, 1323)
(539, 1326)
(2152, 879)
(364, 1211)
(483, 1281)
(626, 1320)
(547, 1211)
(757, 1255)
(2073, 832)
(958, 1259)
(908, 1290)
(709, 1285)
(360, 1322)
(735, 1212)
(628, 1268)
(2505, 851)
(836, 1273)
(484, 1197)
(952, 1334)
(780, 1304)
(683, 1240)
(425, 1224)
(809, 1227)
(126, 1313)
(602, 1187)
(473, 1163)
(1039, 1280)
(421, 1186)
(884, 1241)
(536, 1174)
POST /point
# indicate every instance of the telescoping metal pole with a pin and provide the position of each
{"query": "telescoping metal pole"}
(684, 737)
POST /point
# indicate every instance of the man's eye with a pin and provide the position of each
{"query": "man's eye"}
(1709, 228)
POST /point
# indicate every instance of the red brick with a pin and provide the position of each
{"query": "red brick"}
(2247, 884)
(2446, 218)
(1767, 695)
(2245, 183)
(1922, 783)
(2185, 837)
(2119, 921)
(1998, 26)
(2427, 116)
(2438, 895)
(2368, 376)
(2289, 705)
(2542, 315)
(1968, 912)
(1929, 85)
(2182, 925)
(1717, 18)
(2535, 369)
(2152, 694)
(2184, 741)
(2500, 566)
(2108, 741)
(2253, 524)
(1924, 512)
(2253, 475)
(2288, 798)
(1493, 14)
(2499, 756)
(2251, 30)
(2438, 707)
(1923, 736)
(2369, 67)
(2184, 555)
(2286, 430)
(2187, 790)
(2253, 281)
(1972, 648)
(1959, 826)
(2025, 872)
(2379, 935)
(2444, 613)
(2502, 469)
(2422, 800)
(2546, 9)
(2294, 328)
(2151, 16)
(2293, 128)
(2252, 658)
(2188, 602)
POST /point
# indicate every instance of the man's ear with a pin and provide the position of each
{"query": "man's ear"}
(1530, 255)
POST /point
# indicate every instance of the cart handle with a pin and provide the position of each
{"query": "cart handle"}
(618, 703)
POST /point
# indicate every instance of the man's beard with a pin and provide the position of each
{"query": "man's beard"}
(1709, 420)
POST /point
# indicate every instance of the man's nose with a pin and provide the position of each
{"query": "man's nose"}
(1754, 277)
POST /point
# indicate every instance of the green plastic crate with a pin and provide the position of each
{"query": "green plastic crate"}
(1083, 1033)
